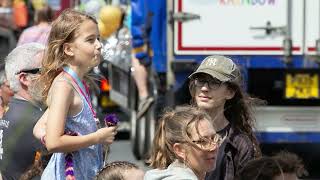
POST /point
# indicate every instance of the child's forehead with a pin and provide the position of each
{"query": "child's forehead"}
(86, 23)
(87, 27)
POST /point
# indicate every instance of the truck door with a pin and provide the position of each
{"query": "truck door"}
(255, 27)
(312, 27)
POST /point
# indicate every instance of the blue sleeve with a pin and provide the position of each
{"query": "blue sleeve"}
(148, 30)
(140, 37)
(138, 22)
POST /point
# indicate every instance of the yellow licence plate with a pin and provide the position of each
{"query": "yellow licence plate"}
(302, 86)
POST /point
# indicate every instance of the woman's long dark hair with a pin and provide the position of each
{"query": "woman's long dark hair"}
(238, 110)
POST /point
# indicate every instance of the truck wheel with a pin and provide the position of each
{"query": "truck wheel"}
(138, 135)
(133, 133)
(152, 114)
(143, 130)
(150, 128)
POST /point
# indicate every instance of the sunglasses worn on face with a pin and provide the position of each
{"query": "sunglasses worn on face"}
(211, 83)
(29, 71)
(209, 143)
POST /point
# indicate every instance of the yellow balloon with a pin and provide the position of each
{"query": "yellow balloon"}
(38, 4)
(105, 30)
(111, 17)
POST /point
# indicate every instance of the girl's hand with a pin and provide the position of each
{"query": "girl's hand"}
(106, 135)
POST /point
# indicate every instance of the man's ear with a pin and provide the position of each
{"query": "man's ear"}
(23, 79)
(68, 49)
(179, 150)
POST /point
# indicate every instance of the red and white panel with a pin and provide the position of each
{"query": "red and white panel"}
(225, 27)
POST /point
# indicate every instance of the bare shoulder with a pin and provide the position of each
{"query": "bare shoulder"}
(61, 88)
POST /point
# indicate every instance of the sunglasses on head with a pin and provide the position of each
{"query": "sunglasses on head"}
(29, 71)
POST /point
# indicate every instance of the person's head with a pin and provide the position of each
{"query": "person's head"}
(34, 89)
(22, 66)
(5, 92)
(186, 135)
(74, 41)
(120, 170)
(44, 14)
(283, 166)
(216, 81)
(216, 86)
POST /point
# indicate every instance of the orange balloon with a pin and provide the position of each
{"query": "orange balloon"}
(20, 14)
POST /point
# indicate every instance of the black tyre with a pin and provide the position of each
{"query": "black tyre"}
(152, 114)
(138, 135)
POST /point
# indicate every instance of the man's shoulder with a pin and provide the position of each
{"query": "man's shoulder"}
(18, 109)
(18, 102)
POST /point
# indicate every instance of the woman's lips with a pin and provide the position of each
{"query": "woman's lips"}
(204, 98)
(211, 160)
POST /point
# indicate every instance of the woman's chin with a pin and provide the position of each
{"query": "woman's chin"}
(204, 105)
(212, 167)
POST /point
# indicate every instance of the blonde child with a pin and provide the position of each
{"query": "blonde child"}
(71, 129)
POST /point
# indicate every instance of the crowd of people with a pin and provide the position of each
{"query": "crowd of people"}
(49, 128)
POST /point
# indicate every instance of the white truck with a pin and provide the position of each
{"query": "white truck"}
(277, 45)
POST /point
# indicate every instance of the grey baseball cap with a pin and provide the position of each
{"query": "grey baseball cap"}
(219, 67)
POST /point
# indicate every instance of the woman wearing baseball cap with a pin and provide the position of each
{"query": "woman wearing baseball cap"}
(216, 88)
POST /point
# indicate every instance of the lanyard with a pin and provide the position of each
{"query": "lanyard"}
(81, 85)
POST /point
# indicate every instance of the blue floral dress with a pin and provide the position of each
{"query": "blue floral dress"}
(87, 161)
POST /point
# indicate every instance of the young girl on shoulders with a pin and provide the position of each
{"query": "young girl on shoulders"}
(72, 133)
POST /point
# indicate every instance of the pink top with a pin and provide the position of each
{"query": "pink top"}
(38, 33)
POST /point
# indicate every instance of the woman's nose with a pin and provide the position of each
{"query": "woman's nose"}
(205, 87)
(214, 147)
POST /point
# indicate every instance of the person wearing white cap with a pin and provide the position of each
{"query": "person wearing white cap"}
(216, 88)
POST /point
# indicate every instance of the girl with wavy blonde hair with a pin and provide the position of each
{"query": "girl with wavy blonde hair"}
(71, 131)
